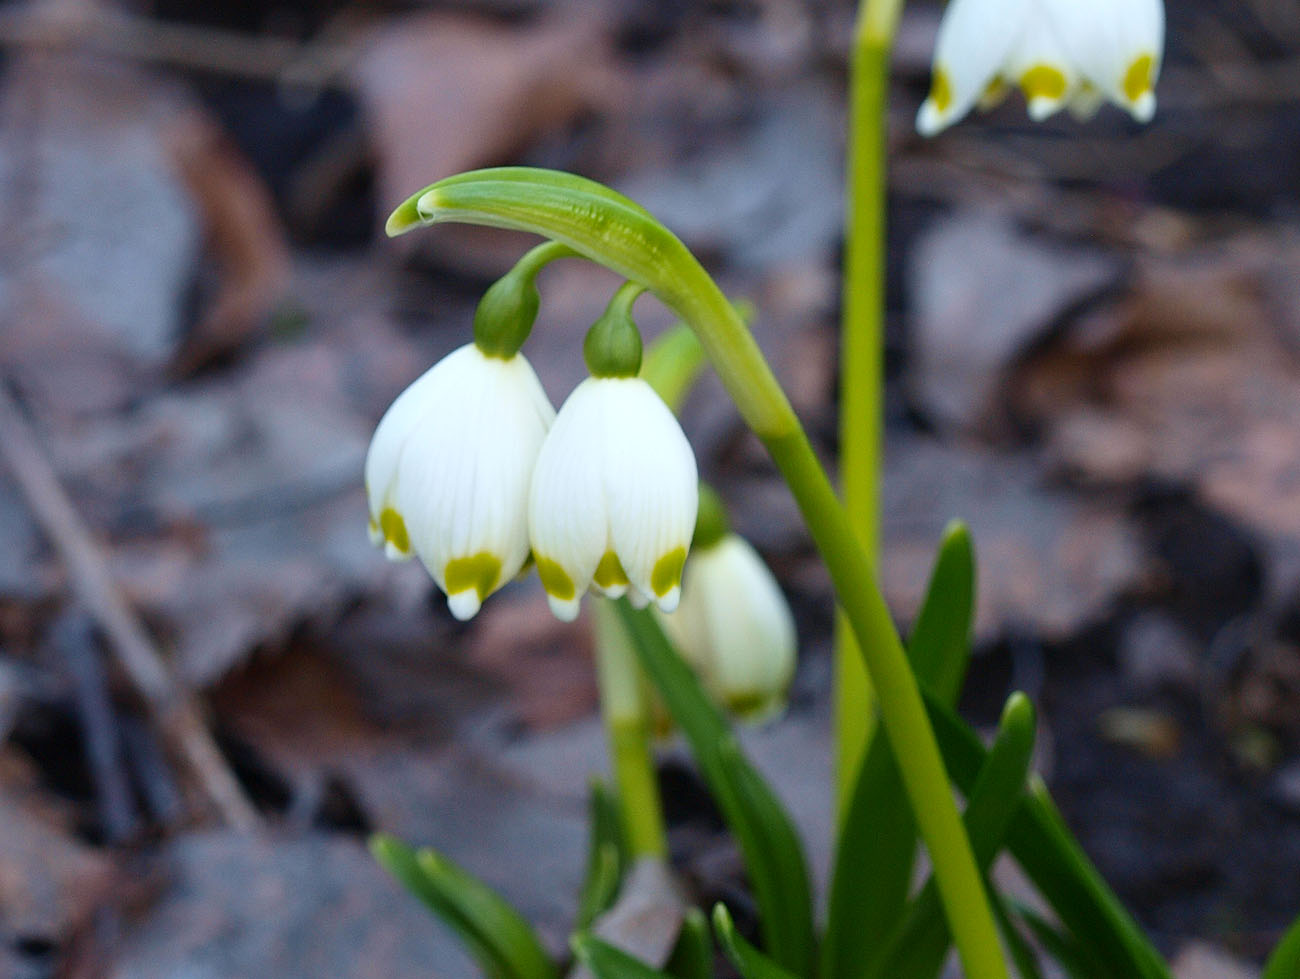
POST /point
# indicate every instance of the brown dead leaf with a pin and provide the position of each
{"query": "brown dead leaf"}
(1190, 379)
(449, 92)
(50, 884)
(243, 232)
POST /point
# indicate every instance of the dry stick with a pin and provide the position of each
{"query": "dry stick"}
(176, 714)
(135, 38)
(74, 638)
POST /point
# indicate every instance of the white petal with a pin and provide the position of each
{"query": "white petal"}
(566, 504)
(464, 473)
(651, 488)
(1117, 45)
(385, 452)
(975, 38)
(1041, 67)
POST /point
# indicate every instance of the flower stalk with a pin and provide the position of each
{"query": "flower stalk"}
(862, 345)
(627, 729)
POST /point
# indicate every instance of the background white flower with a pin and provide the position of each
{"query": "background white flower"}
(1075, 53)
(614, 497)
(449, 468)
(735, 628)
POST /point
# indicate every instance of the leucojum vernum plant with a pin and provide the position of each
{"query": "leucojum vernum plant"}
(474, 472)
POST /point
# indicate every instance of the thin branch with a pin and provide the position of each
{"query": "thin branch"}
(135, 38)
(176, 714)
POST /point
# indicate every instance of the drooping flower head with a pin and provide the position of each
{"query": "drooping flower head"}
(1075, 53)
(733, 625)
(450, 464)
(614, 491)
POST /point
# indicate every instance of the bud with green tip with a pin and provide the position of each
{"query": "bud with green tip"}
(733, 625)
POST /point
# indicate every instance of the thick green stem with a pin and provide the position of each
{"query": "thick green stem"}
(862, 346)
(902, 710)
(627, 728)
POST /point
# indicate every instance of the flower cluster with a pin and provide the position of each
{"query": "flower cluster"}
(1072, 54)
(472, 470)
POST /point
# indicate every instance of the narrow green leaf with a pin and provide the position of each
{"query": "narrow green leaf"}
(606, 856)
(920, 944)
(1284, 963)
(752, 963)
(607, 962)
(504, 945)
(693, 956)
(771, 848)
(1073, 956)
(1025, 958)
(877, 844)
(940, 644)
(1053, 859)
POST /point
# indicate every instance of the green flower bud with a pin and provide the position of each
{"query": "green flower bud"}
(507, 311)
(613, 344)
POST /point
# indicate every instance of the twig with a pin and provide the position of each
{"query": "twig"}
(137, 38)
(176, 715)
(74, 638)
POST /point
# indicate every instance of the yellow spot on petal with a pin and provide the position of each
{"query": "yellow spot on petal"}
(610, 573)
(994, 92)
(941, 90)
(481, 572)
(394, 530)
(667, 573)
(1043, 82)
(1138, 79)
(555, 579)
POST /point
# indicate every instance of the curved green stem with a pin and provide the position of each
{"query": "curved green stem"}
(613, 231)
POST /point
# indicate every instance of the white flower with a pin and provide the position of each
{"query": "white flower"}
(1074, 53)
(614, 497)
(735, 629)
(448, 471)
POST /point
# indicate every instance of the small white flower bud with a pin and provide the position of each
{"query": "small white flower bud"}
(735, 628)
(613, 498)
(448, 472)
(1061, 53)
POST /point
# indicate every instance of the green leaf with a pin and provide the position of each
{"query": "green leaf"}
(1073, 956)
(919, 945)
(693, 956)
(502, 942)
(1053, 859)
(768, 842)
(607, 962)
(1284, 963)
(751, 963)
(877, 845)
(940, 644)
(606, 856)
(1025, 958)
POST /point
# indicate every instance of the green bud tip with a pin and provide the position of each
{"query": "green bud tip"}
(507, 311)
(711, 524)
(613, 344)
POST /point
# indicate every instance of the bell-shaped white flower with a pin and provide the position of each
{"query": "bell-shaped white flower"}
(735, 629)
(449, 468)
(1061, 53)
(614, 497)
